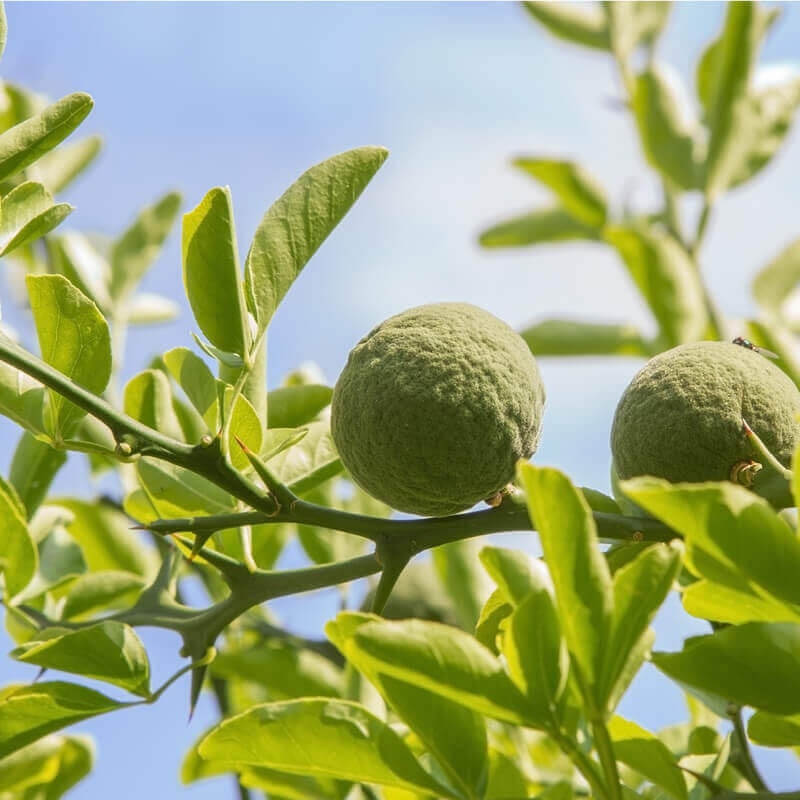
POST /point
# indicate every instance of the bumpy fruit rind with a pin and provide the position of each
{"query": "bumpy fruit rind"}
(434, 408)
(681, 416)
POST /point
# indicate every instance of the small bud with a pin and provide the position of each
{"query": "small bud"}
(206, 440)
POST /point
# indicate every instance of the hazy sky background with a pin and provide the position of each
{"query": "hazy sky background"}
(194, 95)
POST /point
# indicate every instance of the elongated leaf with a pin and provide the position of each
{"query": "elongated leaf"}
(443, 660)
(465, 582)
(245, 426)
(308, 463)
(197, 382)
(74, 339)
(284, 669)
(542, 226)
(95, 591)
(139, 246)
(28, 713)
(59, 168)
(176, 492)
(454, 734)
(642, 751)
(536, 653)
(3, 30)
(33, 468)
(21, 399)
(668, 138)
(146, 308)
(26, 213)
(733, 537)
(709, 600)
(516, 573)
(46, 769)
(148, 398)
(292, 406)
(106, 538)
(754, 664)
(640, 588)
(579, 193)
(579, 25)
(562, 337)
(108, 651)
(773, 283)
(780, 340)
(299, 222)
(492, 620)
(331, 738)
(635, 23)
(580, 574)
(78, 259)
(18, 558)
(665, 276)
(27, 141)
(726, 89)
(211, 271)
(773, 730)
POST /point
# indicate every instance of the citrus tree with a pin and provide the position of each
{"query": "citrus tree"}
(432, 689)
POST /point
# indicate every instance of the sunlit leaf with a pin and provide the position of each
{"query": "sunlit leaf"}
(580, 25)
(27, 212)
(18, 558)
(563, 337)
(542, 226)
(59, 168)
(295, 226)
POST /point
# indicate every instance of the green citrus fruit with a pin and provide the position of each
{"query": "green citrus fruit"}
(434, 408)
(681, 416)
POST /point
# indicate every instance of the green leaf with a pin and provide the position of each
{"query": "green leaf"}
(516, 573)
(96, 591)
(780, 340)
(27, 141)
(580, 574)
(21, 399)
(33, 468)
(18, 557)
(77, 258)
(146, 308)
(74, 339)
(293, 406)
(329, 738)
(642, 751)
(308, 463)
(454, 735)
(441, 659)
(492, 619)
(579, 193)
(773, 730)
(666, 279)
(667, 137)
(632, 24)
(755, 664)
(708, 600)
(60, 558)
(537, 655)
(211, 271)
(297, 224)
(106, 538)
(733, 537)
(148, 398)
(773, 283)
(59, 168)
(724, 85)
(3, 29)
(465, 582)
(177, 492)
(542, 226)
(28, 713)
(27, 212)
(139, 246)
(580, 25)
(197, 382)
(640, 588)
(246, 426)
(46, 769)
(284, 669)
(108, 651)
(562, 337)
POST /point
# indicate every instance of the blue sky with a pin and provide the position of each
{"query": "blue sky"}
(193, 95)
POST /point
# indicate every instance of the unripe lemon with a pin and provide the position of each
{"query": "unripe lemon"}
(434, 408)
(681, 416)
